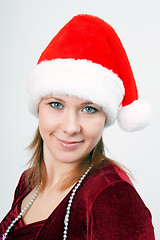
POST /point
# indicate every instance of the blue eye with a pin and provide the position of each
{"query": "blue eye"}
(56, 105)
(89, 109)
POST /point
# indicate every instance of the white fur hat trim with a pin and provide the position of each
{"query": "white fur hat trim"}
(81, 78)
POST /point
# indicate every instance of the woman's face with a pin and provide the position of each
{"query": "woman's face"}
(70, 127)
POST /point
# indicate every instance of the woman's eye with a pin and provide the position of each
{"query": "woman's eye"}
(90, 109)
(56, 105)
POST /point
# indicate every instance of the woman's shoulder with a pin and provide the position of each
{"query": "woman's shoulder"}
(112, 174)
(109, 180)
(117, 207)
(21, 187)
(108, 175)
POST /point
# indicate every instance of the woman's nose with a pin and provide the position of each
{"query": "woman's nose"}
(71, 123)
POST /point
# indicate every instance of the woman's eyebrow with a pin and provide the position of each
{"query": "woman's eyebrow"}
(59, 99)
(84, 103)
(91, 103)
(55, 98)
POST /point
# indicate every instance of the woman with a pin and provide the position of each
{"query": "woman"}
(82, 83)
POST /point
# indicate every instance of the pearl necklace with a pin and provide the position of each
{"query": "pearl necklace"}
(23, 211)
(66, 219)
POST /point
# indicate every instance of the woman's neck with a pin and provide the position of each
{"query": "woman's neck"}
(55, 170)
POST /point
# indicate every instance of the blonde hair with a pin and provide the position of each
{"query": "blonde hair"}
(37, 172)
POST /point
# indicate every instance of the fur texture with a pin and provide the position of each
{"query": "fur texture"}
(135, 116)
(80, 78)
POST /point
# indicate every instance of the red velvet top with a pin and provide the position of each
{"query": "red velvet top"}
(106, 207)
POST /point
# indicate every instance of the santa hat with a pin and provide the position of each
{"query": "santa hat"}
(86, 59)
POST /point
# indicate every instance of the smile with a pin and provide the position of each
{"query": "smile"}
(69, 145)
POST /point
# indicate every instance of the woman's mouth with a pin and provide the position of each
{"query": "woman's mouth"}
(69, 145)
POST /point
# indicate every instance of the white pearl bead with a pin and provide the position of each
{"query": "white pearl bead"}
(66, 217)
(74, 192)
(69, 204)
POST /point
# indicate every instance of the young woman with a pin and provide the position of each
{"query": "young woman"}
(82, 83)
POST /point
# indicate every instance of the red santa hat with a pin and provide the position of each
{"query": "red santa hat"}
(86, 59)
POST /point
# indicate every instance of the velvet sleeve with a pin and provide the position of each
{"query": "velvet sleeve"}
(20, 188)
(119, 213)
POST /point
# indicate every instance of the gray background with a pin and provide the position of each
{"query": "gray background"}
(26, 27)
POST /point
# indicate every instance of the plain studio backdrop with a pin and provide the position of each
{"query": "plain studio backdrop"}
(26, 27)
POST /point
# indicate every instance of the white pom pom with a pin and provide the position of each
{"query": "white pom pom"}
(135, 116)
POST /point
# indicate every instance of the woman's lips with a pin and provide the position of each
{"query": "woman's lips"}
(69, 145)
